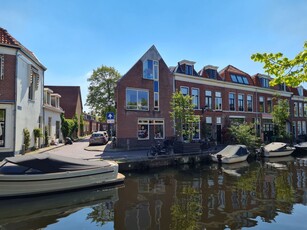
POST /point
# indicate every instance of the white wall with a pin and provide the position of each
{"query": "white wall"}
(28, 112)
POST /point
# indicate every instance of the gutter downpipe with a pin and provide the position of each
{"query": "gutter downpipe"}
(15, 113)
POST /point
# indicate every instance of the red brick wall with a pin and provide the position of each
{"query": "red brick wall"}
(127, 120)
(7, 85)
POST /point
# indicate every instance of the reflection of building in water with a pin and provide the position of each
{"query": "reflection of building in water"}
(221, 200)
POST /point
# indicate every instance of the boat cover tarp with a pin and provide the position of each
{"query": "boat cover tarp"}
(231, 150)
(51, 163)
(275, 146)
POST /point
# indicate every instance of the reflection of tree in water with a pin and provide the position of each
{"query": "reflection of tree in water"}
(272, 188)
(187, 210)
(101, 213)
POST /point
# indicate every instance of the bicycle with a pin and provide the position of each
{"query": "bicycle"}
(159, 149)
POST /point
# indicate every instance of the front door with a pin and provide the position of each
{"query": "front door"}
(218, 133)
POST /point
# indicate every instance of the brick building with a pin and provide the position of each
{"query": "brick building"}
(220, 98)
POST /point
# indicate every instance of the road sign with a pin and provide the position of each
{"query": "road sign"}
(110, 117)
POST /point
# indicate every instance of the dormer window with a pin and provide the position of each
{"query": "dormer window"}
(188, 69)
(151, 69)
(239, 79)
(265, 83)
(282, 87)
(300, 91)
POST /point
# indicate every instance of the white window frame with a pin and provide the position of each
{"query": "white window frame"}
(184, 87)
(196, 106)
(154, 72)
(217, 106)
(137, 99)
(251, 97)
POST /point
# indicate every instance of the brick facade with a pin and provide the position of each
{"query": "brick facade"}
(7, 84)
(215, 119)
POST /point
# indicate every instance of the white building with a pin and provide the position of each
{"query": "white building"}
(21, 95)
(52, 116)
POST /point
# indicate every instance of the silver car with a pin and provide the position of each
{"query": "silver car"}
(99, 138)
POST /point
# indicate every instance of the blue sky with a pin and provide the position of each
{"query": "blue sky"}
(72, 37)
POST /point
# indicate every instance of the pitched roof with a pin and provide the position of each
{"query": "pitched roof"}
(8, 40)
(69, 98)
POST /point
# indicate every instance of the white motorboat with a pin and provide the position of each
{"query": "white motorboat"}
(301, 146)
(276, 149)
(231, 154)
(46, 173)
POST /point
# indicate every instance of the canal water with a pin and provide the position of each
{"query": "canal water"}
(265, 194)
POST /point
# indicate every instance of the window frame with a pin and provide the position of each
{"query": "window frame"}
(240, 102)
(195, 97)
(249, 102)
(128, 107)
(151, 73)
(232, 108)
(208, 99)
(218, 98)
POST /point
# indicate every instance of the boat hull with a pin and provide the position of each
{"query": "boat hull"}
(228, 160)
(278, 153)
(34, 184)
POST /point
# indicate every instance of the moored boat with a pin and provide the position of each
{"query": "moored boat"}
(46, 173)
(231, 154)
(276, 149)
(302, 147)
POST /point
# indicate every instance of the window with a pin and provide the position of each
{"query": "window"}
(282, 87)
(195, 98)
(239, 79)
(184, 90)
(305, 109)
(155, 126)
(261, 104)
(57, 129)
(188, 69)
(295, 109)
(218, 101)
(1, 67)
(208, 99)
(2, 127)
(264, 82)
(151, 69)
(33, 82)
(249, 103)
(241, 102)
(156, 95)
(137, 99)
(303, 127)
(299, 128)
(300, 91)
(300, 109)
(270, 105)
(232, 101)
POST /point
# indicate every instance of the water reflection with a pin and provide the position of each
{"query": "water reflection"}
(232, 196)
(212, 197)
(42, 211)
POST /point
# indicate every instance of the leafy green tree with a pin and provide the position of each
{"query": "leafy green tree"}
(245, 134)
(67, 126)
(101, 90)
(291, 72)
(182, 113)
(280, 115)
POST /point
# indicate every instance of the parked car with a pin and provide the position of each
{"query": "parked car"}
(99, 138)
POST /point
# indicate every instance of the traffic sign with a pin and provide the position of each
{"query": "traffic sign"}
(110, 117)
